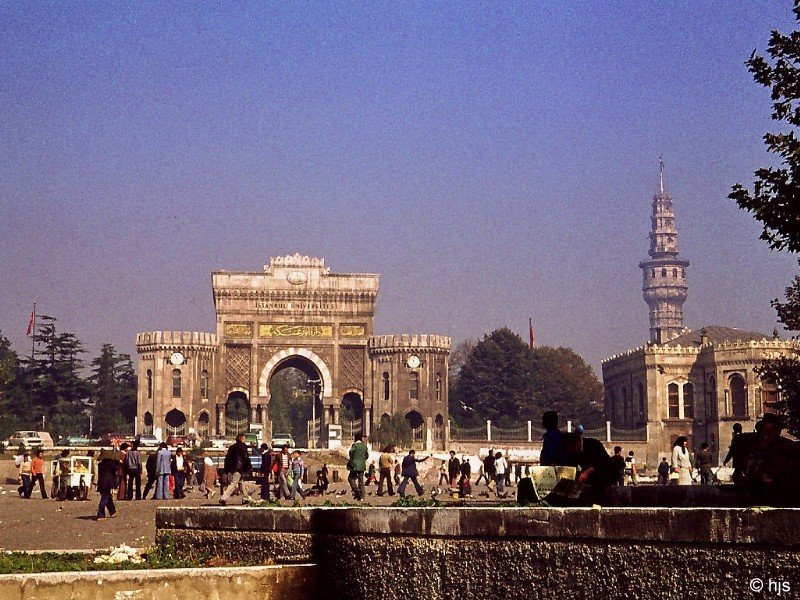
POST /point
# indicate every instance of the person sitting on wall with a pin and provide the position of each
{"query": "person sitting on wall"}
(589, 455)
(552, 453)
(771, 463)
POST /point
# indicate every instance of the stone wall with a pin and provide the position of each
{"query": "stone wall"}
(297, 582)
(504, 552)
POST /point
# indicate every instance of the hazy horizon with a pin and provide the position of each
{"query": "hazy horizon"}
(492, 163)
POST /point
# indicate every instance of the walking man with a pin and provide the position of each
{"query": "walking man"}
(704, 461)
(237, 463)
(265, 470)
(359, 453)
(152, 478)
(410, 472)
(37, 474)
(452, 468)
(133, 466)
(107, 480)
(385, 471)
(163, 470)
(180, 469)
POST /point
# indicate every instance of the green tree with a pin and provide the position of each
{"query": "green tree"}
(10, 372)
(775, 198)
(392, 431)
(563, 382)
(504, 380)
(54, 388)
(114, 391)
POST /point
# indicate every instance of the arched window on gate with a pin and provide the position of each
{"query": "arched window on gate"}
(204, 384)
(176, 383)
(149, 384)
(738, 389)
(413, 386)
(438, 387)
(386, 386)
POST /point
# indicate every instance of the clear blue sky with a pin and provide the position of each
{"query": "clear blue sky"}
(491, 161)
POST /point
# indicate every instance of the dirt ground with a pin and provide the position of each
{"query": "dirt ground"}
(37, 524)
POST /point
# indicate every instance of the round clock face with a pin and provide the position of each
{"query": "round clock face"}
(296, 278)
(176, 358)
(413, 361)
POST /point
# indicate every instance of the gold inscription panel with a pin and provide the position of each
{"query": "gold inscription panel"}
(290, 330)
(352, 331)
(238, 330)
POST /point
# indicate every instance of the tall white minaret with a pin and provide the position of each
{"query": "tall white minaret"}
(664, 286)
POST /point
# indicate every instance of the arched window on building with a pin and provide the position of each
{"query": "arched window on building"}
(675, 273)
(738, 391)
(149, 384)
(642, 407)
(769, 396)
(653, 273)
(438, 387)
(711, 405)
(673, 401)
(663, 272)
(688, 401)
(204, 384)
(413, 386)
(176, 383)
(386, 386)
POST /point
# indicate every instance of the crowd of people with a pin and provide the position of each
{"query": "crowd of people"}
(762, 460)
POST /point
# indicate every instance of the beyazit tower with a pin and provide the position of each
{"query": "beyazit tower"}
(664, 286)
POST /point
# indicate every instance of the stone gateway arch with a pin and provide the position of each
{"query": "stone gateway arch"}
(294, 313)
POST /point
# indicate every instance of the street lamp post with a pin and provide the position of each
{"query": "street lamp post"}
(313, 383)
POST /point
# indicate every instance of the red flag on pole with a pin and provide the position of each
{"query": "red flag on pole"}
(530, 326)
(31, 321)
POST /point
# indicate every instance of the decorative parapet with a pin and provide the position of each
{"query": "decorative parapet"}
(176, 340)
(296, 261)
(765, 344)
(384, 344)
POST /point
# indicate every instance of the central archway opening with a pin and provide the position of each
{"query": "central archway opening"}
(351, 415)
(295, 405)
(237, 414)
(176, 422)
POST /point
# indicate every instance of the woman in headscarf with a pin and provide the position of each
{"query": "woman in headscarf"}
(681, 462)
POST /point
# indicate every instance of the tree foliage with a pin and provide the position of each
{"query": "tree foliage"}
(114, 390)
(392, 431)
(507, 382)
(51, 387)
(775, 199)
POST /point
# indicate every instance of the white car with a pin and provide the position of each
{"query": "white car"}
(220, 442)
(282, 439)
(30, 439)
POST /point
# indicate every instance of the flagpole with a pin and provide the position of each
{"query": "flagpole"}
(33, 335)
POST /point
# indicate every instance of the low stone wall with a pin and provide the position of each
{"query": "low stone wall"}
(507, 552)
(297, 582)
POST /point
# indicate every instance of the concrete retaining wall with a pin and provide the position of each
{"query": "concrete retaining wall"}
(504, 552)
(297, 582)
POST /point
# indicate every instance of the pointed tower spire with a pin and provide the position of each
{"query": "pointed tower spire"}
(665, 288)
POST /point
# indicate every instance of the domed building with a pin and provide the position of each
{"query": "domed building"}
(682, 382)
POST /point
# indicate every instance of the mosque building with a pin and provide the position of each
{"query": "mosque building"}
(695, 383)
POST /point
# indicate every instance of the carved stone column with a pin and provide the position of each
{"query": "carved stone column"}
(367, 426)
(220, 419)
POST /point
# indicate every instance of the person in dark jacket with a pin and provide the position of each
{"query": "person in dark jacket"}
(237, 463)
(107, 481)
(181, 468)
(133, 467)
(265, 470)
(588, 454)
(150, 469)
(453, 467)
(410, 472)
